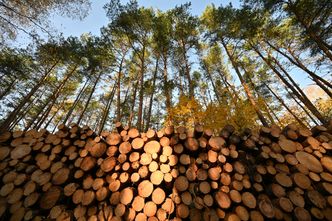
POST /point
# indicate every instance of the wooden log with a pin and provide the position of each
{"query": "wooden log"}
(222, 200)
(145, 188)
(50, 198)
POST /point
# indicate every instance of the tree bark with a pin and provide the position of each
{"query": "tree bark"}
(311, 33)
(285, 106)
(187, 71)
(107, 110)
(55, 96)
(297, 62)
(148, 118)
(133, 103)
(6, 123)
(167, 88)
(141, 92)
(305, 100)
(78, 98)
(90, 96)
(118, 98)
(212, 82)
(7, 89)
(246, 88)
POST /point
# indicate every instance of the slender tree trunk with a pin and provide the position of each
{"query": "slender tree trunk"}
(90, 96)
(6, 123)
(118, 98)
(141, 93)
(273, 113)
(7, 89)
(78, 98)
(56, 112)
(297, 62)
(318, 79)
(22, 114)
(229, 87)
(124, 102)
(187, 71)
(305, 100)
(246, 88)
(131, 116)
(55, 96)
(107, 110)
(167, 88)
(212, 82)
(311, 33)
(148, 118)
(301, 106)
(285, 106)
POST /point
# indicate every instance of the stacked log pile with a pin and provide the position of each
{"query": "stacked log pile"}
(171, 174)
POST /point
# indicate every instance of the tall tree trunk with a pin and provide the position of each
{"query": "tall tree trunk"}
(301, 106)
(311, 33)
(148, 118)
(56, 112)
(285, 105)
(245, 86)
(22, 114)
(297, 62)
(305, 100)
(107, 110)
(55, 96)
(78, 98)
(6, 123)
(167, 89)
(90, 96)
(187, 71)
(212, 82)
(273, 113)
(7, 89)
(131, 116)
(118, 98)
(229, 87)
(141, 93)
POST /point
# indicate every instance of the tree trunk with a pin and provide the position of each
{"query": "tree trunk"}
(78, 98)
(90, 96)
(285, 106)
(167, 88)
(297, 62)
(301, 106)
(187, 71)
(55, 96)
(246, 88)
(306, 101)
(107, 110)
(56, 112)
(141, 92)
(148, 118)
(6, 123)
(212, 82)
(118, 98)
(311, 33)
(131, 116)
(7, 89)
(22, 114)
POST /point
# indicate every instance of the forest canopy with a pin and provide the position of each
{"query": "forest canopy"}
(150, 68)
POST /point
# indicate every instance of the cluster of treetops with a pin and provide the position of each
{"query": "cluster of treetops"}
(149, 68)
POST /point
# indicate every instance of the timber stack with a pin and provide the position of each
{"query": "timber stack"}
(171, 174)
